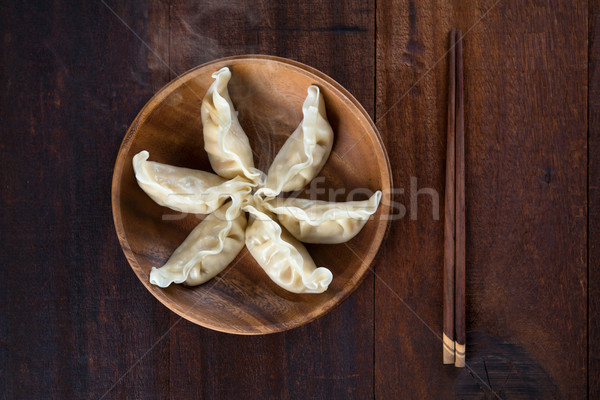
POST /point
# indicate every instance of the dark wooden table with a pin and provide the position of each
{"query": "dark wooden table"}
(75, 322)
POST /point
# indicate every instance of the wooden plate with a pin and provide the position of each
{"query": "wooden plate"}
(268, 93)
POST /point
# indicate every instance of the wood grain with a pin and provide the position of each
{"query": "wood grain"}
(449, 210)
(411, 116)
(506, 371)
(594, 202)
(460, 236)
(526, 199)
(525, 174)
(73, 315)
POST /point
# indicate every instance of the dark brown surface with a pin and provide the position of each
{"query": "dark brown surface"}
(75, 319)
(594, 201)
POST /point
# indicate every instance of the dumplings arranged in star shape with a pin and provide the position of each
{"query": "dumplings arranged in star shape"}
(275, 227)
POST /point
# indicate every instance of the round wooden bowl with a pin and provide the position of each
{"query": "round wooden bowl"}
(268, 93)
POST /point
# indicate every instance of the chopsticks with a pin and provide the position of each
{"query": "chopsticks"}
(454, 345)
(448, 328)
(459, 262)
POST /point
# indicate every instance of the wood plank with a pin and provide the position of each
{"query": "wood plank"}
(594, 201)
(525, 188)
(74, 316)
(527, 218)
(411, 37)
(333, 356)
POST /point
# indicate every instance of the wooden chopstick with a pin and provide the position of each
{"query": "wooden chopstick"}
(460, 236)
(448, 320)
(454, 335)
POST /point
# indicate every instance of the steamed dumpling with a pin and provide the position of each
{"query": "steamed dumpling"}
(207, 250)
(303, 155)
(316, 221)
(183, 189)
(285, 260)
(225, 142)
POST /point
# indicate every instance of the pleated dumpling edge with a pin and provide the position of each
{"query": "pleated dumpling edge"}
(285, 260)
(305, 152)
(225, 141)
(316, 221)
(207, 250)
